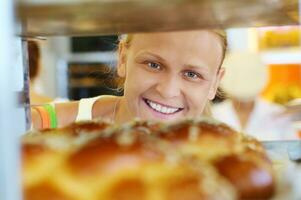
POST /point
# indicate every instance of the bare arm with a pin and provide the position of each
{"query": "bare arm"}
(66, 113)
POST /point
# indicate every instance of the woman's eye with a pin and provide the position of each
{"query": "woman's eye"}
(154, 65)
(191, 75)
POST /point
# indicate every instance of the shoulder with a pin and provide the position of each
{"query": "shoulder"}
(104, 106)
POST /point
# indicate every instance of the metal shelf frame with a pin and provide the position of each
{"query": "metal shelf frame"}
(94, 17)
(12, 119)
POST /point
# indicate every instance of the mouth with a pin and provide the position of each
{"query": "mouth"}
(160, 108)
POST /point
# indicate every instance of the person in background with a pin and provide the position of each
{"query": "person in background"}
(34, 62)
(165, 76)
(244, 109)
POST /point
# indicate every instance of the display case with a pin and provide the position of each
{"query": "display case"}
(43, 18)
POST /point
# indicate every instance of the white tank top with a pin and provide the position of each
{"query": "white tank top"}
(85, 107)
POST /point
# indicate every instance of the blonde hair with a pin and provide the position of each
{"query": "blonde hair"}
(223, 37)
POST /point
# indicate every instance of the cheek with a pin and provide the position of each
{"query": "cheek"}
(137, 81)
(197, 97)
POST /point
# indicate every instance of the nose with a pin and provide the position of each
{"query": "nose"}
(169, 86)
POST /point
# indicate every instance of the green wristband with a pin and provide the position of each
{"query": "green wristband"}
(52, 115)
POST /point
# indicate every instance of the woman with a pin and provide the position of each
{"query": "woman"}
(167, 76)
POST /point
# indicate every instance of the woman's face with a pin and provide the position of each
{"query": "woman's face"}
(170, 75)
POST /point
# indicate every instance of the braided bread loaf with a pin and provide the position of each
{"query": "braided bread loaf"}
(193, 159)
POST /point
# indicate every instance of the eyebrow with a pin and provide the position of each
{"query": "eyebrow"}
(202, 67)
(154, 55)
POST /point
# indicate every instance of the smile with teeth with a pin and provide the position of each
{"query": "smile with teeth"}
(161, 108)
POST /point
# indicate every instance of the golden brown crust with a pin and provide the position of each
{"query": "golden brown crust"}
(45, 191)
(252, 180)
(241, 159)
(83, 127)
(105, 154)
(192, 159)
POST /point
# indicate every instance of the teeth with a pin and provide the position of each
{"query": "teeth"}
(154, 106)
(162, 109)
(158, 107)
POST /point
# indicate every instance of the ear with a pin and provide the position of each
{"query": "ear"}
(213, 89)
(121, 66)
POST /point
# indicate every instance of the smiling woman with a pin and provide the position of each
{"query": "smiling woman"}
(165, 76)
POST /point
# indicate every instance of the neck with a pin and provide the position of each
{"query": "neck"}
(122, 112)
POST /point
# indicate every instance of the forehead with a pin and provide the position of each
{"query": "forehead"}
(197, 46)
